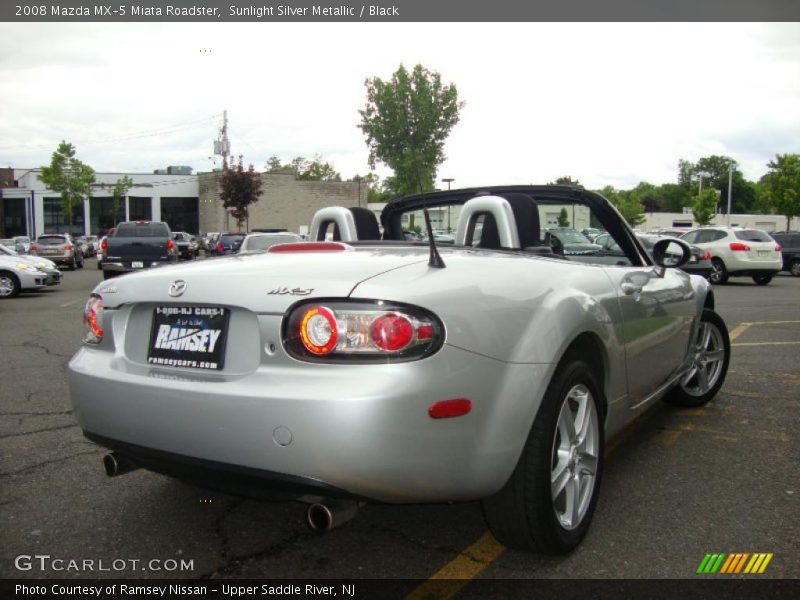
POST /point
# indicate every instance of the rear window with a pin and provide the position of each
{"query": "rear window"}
(128, 230)
(231, 238)
(752, 235)
(51, 240)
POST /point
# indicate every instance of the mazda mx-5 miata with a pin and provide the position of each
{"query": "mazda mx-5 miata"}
(371, 368)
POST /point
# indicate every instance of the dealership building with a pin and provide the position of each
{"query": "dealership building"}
(185, 201)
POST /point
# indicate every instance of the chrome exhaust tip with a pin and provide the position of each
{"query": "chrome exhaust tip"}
(324, 516)
(116, 464)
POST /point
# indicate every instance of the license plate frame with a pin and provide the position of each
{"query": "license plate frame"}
(137, 264)
(193, 337)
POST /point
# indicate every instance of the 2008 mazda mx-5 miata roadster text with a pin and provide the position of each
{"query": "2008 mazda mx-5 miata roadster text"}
(360, 366)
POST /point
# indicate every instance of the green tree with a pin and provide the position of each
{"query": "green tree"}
(704, 206)
(673, 197)
(118, 193)
(406, 121)
(563, 218)
(715, 175)
(780, 187)
(627, 204)
(240, 188)
(314, 170)
(274, 164)
(566, 180)
(69, 177)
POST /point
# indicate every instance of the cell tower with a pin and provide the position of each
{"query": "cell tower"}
(222, 147)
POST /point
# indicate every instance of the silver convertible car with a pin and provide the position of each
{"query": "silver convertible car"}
(370, 368)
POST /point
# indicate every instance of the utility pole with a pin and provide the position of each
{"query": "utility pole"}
(730, 186)
(448, 181)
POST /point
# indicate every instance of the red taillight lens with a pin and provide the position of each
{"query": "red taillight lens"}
(739, 247)
(318, 330)
(361, 330)
(67, 246)
(391, 332)
(93, 319)
(34, 248)
(778, 248)
(220, 248)
(170, 244)
(706, 255)
(104, 245)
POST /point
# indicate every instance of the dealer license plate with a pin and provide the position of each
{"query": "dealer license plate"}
(189, 336)
(137, 264)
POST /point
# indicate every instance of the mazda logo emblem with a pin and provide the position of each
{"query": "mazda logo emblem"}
(177, 288)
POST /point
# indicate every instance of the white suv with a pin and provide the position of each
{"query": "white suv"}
(736, 251)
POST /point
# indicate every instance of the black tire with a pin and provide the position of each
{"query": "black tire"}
(691, 390)
(74, 264)
(9, 285)
(762, 279)
(99, 265)
(719, 273)
(794, 268)
(524, 514)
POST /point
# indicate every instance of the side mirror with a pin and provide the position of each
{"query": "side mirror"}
(671, 253)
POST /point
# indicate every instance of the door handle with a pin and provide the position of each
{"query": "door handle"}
(629, 288)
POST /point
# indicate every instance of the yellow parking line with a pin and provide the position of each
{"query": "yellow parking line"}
(739, 330)
(448, 580)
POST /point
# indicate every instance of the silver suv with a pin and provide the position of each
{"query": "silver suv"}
(60, 248)
(736, 251)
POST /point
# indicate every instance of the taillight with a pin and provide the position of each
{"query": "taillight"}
(220, 248)
(93, 320)
(104, 245)
(739, 247)
(34, 248)
(361, 330)
(778, 248)
(706, 255)
(170, 244)
(67, 246)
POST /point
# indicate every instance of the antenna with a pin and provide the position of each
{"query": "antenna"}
(435, 259)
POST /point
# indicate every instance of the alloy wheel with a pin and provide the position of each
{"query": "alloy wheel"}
(575, 457)
(709, 359)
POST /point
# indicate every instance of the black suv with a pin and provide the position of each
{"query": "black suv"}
(790, 249)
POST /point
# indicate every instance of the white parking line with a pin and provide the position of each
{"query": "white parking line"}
(66, 304)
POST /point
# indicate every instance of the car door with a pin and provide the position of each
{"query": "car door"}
(658, 308)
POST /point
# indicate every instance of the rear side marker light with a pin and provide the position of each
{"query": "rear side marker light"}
(739, 247)
(308, 247)
(447, 409)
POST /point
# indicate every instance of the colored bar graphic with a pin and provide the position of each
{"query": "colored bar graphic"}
(733, 563)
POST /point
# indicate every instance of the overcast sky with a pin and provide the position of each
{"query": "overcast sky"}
(604, 103)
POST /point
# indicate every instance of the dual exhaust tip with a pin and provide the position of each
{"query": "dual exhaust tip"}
(321, 516)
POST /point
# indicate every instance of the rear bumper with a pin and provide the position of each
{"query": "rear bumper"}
(358, 430)
(127, 266)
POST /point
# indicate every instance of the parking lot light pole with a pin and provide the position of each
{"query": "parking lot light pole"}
(448, 181)
(730, 186)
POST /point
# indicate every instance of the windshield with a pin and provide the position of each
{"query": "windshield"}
(571, 237)
(267, 241)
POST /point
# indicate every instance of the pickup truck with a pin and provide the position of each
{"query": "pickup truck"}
(137, 245)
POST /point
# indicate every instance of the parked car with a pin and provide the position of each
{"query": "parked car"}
(83, 244)
(209, 240)
(570, 241)
(93, 244)
(25, 241)
(227, 243)
(17, 275)
(46, 266)
(137, 245)
(738, 252)
(699, 263)
(60, 248)
(185, 245)
(12, 244)
(591, 233)
(790, 250)
(490, 369)
(263, 241)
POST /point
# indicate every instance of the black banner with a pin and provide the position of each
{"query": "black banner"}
(399, 10)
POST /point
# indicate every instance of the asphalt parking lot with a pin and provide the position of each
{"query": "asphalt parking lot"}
(682, 483)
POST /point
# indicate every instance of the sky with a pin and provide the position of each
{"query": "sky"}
(607, 104)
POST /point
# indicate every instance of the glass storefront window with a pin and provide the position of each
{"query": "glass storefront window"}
(56, 222)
